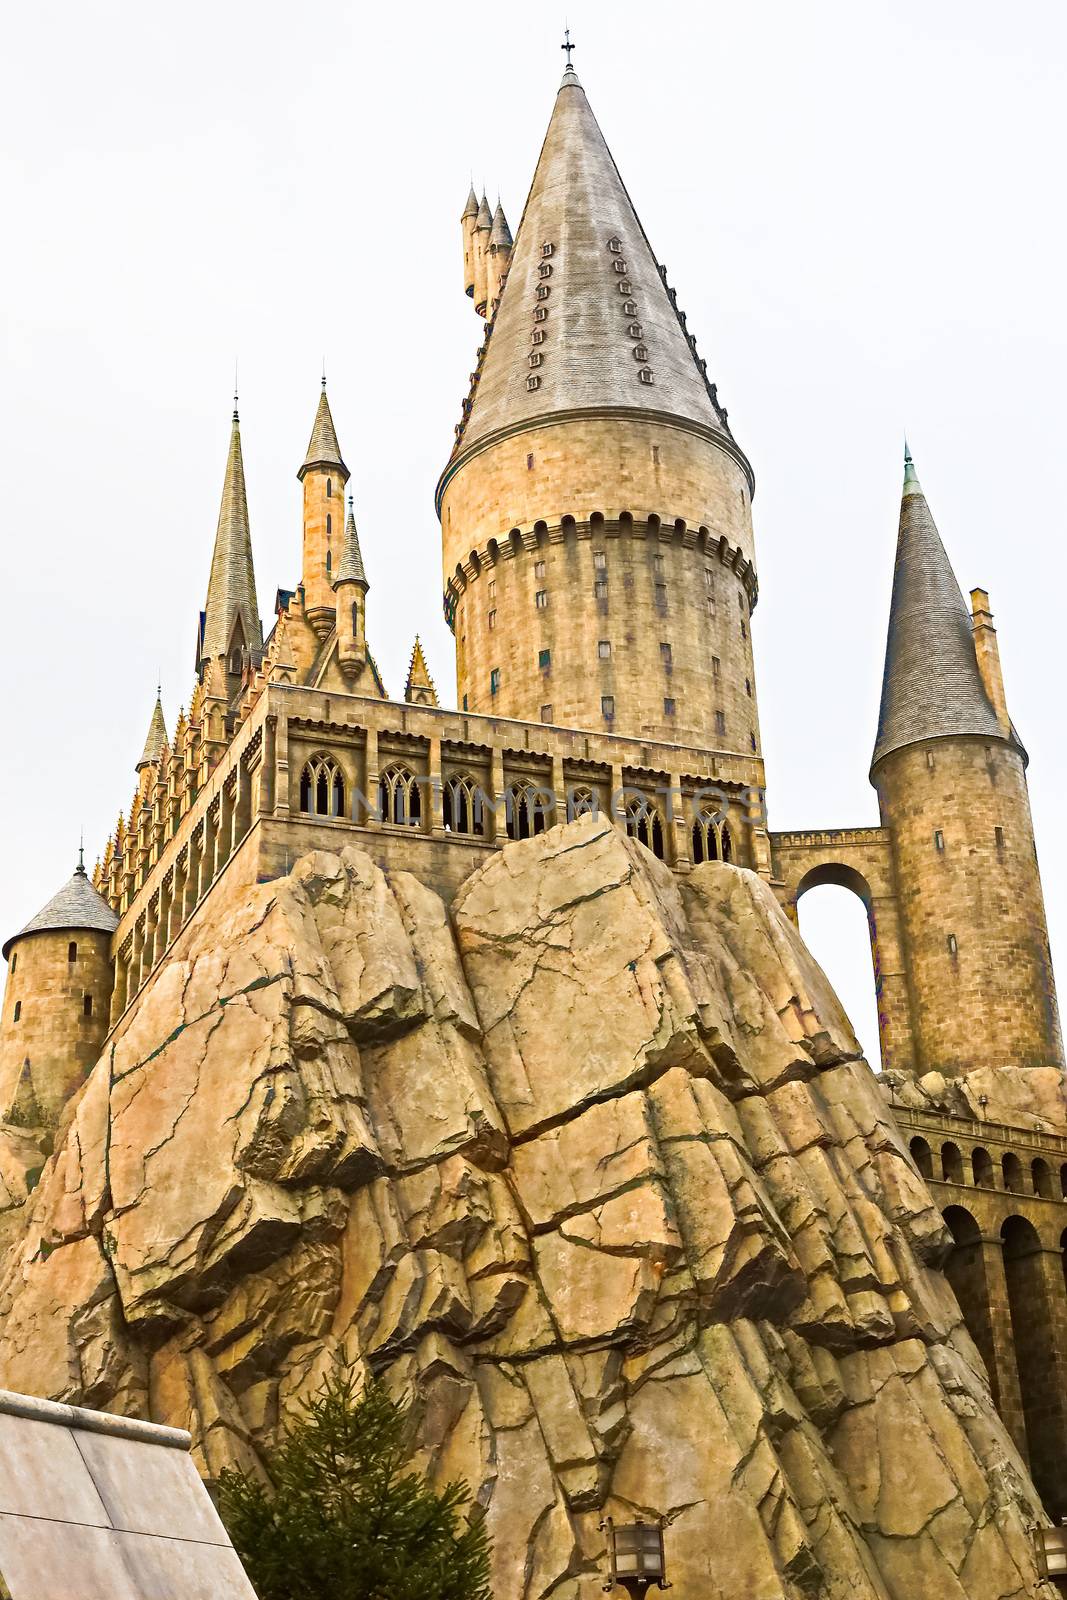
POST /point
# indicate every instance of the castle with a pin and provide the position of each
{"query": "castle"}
(599, 576)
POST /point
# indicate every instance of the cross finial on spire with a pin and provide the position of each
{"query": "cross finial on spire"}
(235, 389)
(81, 849)
(324, 372)
(566, 45)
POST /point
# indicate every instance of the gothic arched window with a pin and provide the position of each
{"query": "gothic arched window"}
(526, 809)
(72, 951)
(329, 488)
(322, 788)
(581, 802)
(711, 837)
(644, 823)
(464, 811)
(329, 562)
(399, 796)
(329, 525)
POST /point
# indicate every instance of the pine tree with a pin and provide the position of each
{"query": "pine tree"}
(344, 1516)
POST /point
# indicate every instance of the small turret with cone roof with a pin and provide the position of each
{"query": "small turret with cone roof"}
(500, 243)
(483, 228)
(57, 1000)
(156, 740)
(323, 475)
(350, 587)
(467, 223)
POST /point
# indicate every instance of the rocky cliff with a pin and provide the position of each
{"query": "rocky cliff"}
(588, 1163)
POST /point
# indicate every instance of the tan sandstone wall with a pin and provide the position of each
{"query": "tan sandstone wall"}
(588, 1164)
(622, 471)
(992, 1000)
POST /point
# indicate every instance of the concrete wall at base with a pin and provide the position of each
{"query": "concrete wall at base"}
(94, 1507)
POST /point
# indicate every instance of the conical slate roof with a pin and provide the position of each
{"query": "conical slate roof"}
(591, 354)
(501, 234)
(932, 686)
(157, 737)
(471, 208)
(77, 906)
(485, 216)
(350, 567)
(323, 449)
(231, 588)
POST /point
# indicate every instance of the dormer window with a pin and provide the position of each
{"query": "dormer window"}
(625, 286)
(619, 266)
(645, 375)
(547, 248)
(635, 330)
(538, 336)
(535, 358)
(545, 270)
(533, 381)
(543, 291)
(615, 246)
(640, 352)
(629, 309)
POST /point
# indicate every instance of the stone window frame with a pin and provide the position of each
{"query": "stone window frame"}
(462, 806)
(399, 796)
(322, 773)
(541, 599)
(711, 836)
(603, 649)
(643, 821)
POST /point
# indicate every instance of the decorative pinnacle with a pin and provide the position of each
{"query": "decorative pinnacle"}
(324, 372)
(566, 45)
(911, 477)
(81, 851)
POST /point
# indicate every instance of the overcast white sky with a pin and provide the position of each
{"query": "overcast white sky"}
(861, 206)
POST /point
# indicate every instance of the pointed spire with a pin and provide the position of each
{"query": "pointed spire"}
(485, 216)
(613, 335)
(231, 593)
(350, 566)
(932, 687)
(501, 234)
(471, 208)
(156, 741)
(419, 689)
(323, 449)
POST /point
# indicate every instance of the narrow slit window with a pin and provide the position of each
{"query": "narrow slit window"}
(72, 951)
(939, 841)
(87, 1005)
(607, 705)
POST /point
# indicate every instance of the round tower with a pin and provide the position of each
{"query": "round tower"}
(350, 587)
(56, 1002)
(596, 512)
(323, 476)
(950, 774)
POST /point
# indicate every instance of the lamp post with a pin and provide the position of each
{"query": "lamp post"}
(635, 1554)
(1051, 1547)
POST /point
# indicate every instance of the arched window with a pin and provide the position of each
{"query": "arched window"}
(322, 788)
(1063, 1180)
(982, 1167)
(711, 836)
(399, 797)
(464, 811)
(526, 810)
(1041, 1178)
(1034, 1337)
(581, 802)
(329, 562)
(72, 950)
(965, 1270)
(329, 488)
(644, 823)
(1012, 1168)
(952, 1163)
(920, 1154)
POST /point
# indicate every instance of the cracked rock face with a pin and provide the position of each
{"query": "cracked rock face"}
(588, 1163)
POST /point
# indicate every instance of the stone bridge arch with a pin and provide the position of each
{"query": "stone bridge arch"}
(860, 860)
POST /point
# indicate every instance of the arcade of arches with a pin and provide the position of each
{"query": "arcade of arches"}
(1001, 1191)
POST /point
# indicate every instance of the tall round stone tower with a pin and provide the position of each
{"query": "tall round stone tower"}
(56, 1001)
(596, 511)
(950, 773)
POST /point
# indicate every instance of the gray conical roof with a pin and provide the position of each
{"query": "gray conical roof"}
(485, 216)
(577, 204)
(231, 590)
(77, 906)
(501, 234)
(323, 449)
(350, 566)
(157, 737)
(932, 686)
(471, 208)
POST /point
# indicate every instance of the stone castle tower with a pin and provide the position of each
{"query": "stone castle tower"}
(600, 580)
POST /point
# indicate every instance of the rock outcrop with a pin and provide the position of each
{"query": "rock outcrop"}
(589, 1164)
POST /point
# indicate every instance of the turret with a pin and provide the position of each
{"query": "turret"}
(230, 629)
(468, 222)
(483, 228)
(500, 245)
(951, 779)
(56, 1002)
(419, 689)
(324, 476)
(596, 511)
(350, 588)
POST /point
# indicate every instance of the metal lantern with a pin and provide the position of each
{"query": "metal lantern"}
(1051, 1546)
(635, 1551)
